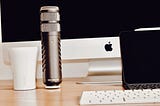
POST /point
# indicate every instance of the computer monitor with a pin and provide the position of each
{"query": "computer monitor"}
(89, 29)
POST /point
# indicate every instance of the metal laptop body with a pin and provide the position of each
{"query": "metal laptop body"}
(140, 52)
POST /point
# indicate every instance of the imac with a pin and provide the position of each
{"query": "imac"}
(90, 29)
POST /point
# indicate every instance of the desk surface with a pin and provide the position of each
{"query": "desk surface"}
(68, 95)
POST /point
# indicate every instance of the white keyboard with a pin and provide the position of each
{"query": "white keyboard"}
(120, 96)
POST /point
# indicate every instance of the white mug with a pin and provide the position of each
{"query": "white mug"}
(23, 64)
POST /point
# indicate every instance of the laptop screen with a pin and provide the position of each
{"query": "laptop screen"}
(140, 56)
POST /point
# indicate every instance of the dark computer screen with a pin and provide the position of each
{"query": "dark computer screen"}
(140, 56)
(79, 18)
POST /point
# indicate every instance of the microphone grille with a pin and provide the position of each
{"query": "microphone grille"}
(50, 19)
(50, 27)
(50, 14)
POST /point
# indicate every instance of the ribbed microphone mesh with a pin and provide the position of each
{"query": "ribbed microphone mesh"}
(50, 16)
(50, 27)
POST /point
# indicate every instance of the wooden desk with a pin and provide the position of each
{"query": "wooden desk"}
(68, 95)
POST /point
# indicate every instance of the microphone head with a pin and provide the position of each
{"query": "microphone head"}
(50, 19)
(50, 14)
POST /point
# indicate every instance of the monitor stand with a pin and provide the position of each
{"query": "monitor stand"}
(109, 66)
(104, 79)
(98, 69)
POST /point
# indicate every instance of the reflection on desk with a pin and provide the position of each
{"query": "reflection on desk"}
(68, 95)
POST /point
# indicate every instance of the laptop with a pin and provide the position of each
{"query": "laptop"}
(140, 52)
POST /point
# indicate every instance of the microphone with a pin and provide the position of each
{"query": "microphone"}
(51, 51)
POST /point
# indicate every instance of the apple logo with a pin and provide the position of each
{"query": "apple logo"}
(108, 47)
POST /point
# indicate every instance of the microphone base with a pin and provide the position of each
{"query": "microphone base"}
(53, 87)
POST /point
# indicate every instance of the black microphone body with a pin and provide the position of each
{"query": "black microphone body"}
(51, 51)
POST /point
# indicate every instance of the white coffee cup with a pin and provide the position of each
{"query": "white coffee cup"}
(23, 64)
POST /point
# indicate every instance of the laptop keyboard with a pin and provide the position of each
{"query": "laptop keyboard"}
(144, 86)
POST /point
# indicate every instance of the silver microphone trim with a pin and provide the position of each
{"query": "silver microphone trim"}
(50, 8)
